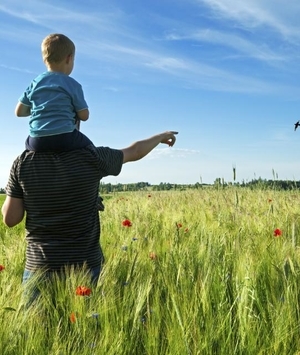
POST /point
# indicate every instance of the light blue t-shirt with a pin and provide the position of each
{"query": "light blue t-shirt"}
(54, 99)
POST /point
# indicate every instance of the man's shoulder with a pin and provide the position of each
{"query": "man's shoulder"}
(91, 161)
(97, 152)
(104, 152)
(23, 155)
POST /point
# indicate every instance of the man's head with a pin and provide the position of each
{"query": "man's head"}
(56, 49)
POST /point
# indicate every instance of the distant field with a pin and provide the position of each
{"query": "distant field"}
(191, 272)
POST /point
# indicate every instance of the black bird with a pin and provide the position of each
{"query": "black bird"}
(297, 124)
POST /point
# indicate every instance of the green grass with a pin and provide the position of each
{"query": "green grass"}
(219, 281)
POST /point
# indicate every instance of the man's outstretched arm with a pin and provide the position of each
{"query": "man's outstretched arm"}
(140, 149)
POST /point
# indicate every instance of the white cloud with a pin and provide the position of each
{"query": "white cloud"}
(44, 12)
(240, 44)
(256, 13)
(168, 63)
(111, 88)
(124, 51)
(23, 70)
(171, 152)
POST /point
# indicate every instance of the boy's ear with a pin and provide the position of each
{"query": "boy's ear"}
(69, 58)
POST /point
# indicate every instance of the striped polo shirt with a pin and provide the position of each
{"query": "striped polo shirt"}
(60, 193)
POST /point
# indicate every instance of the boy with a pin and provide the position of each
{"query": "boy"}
(54, 101)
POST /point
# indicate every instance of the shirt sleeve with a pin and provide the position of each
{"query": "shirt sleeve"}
(110, 160)
(78, 99)
(24, 98)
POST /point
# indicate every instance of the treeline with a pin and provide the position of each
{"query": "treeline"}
(272, 184)
(139, 186)
(218, 183)
(260, 184)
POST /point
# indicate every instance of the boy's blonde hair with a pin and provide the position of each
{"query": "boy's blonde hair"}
(56, 47)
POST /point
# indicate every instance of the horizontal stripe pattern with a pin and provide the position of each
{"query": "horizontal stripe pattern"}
(60, 193)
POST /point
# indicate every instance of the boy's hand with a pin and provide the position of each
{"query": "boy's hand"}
(169, 138)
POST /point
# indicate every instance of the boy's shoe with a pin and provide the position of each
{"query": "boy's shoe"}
(100, 205)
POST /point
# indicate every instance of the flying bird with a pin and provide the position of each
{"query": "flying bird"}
(297, 124)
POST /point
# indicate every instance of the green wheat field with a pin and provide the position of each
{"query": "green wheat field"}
(204, 271)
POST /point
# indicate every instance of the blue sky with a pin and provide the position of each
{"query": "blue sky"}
(224, 73)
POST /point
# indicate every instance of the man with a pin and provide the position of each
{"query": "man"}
(59, 191)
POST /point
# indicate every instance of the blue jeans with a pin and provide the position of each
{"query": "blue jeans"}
(32, 279)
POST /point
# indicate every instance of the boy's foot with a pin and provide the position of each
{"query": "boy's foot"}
(100, 205)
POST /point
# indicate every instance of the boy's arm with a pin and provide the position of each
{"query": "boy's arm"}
(83, 115)
(12, 211)
(22, 110)
(141, 148)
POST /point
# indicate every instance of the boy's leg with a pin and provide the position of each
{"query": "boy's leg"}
(100, 205)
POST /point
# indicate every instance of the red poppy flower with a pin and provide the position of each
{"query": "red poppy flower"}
(179, 225)
(277, 232)
(72, 317)
(2, 267)
(152, 256)
(126, 223)
(270, 200)
(83, 291)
